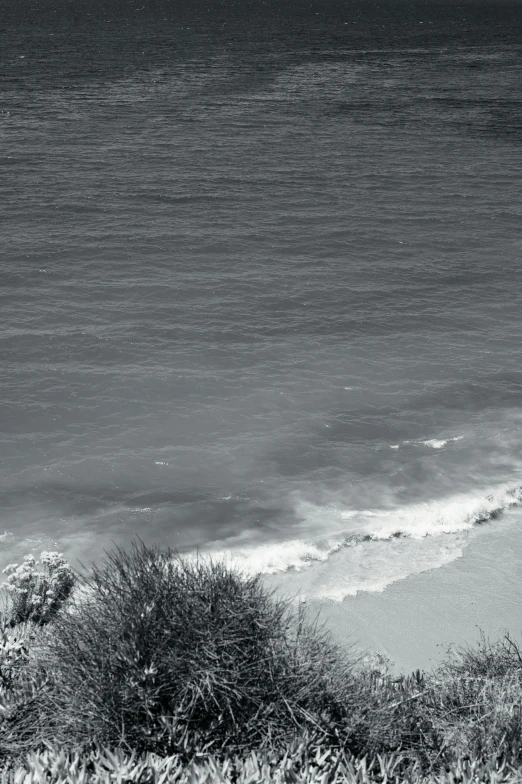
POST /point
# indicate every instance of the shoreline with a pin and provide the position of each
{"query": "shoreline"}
(416, 620)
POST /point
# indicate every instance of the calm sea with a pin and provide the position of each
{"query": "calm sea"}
(261, 282)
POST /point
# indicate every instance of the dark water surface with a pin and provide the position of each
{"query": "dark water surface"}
(261, 281)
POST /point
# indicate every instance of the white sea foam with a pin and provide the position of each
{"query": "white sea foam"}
(434, 443)
(450, 515)
(438, 443)
(294, 554)
(377, 531)
(369, 567)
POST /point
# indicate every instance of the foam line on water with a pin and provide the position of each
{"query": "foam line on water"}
(369, 567)
(452, 515)
(433, 443)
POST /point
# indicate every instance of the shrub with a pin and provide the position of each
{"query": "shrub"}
(166, 654)
(36, 591)
(37, 594)
(14, 652)
(21, 689)
(486, 659)
(475, 701)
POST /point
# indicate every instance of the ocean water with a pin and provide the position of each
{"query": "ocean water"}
(261, 283)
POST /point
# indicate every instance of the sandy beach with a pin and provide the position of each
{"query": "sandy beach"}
(414, 621)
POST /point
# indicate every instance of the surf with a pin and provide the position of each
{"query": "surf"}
(369, 528)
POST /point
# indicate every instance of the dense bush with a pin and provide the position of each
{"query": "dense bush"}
(161, 653)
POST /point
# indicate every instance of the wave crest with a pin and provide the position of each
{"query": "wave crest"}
(449, 516)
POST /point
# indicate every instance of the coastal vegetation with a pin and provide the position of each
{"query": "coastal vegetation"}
(153, 667)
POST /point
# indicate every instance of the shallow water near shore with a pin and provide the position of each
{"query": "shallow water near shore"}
(418, 622)
(262, 288)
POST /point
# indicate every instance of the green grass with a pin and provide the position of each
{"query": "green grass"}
(160, 658)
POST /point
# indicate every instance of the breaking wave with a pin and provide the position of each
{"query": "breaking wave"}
(453, 515)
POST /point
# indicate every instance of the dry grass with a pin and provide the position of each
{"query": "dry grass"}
(475, 701)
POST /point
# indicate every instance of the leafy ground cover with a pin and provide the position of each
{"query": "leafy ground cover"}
(296, 767)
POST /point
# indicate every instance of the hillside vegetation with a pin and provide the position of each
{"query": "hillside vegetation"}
(154, 668)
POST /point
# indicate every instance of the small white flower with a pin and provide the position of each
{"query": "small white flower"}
(24, 576)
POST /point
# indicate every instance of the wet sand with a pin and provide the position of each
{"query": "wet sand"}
(415, 620)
